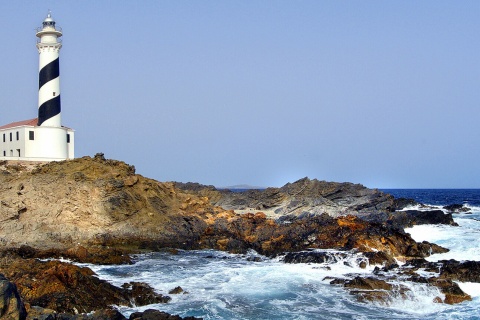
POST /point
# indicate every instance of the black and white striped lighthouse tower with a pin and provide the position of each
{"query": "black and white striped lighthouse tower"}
(52, 141)
(48, 47)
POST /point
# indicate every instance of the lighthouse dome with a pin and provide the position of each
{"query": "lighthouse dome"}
(49, 22)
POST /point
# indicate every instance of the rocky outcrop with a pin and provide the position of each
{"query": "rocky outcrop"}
(151, 314)
(100, 203)
(36, 313)
(11, 306)
(409, 218)
(304, 195)
(64, 287)
(95, 201)
(97, 210)
(238, 233)
(457, 208)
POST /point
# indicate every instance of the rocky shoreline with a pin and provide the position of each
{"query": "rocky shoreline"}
(107, 212)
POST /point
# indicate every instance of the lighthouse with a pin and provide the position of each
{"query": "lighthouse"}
(49, 46)
(43, 138)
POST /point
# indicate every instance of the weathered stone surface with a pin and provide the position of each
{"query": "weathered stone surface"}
(368, 283)
(96, 202)
(304, 195)
(64, 287)
(11, 306)
(409, 218)
(457, 208)
(176, 290)
(151, 314)
(313, 257)
(466, 271)
(453, 293)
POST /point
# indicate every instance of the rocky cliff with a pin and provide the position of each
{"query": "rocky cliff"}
(88, 200)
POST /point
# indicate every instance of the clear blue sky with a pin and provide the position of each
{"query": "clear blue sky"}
(383, 93)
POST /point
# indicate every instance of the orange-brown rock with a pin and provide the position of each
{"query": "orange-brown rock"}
(64, 287)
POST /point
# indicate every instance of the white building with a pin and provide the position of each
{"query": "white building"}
(43, 138)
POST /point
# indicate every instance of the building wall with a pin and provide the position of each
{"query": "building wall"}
(12, 142)
(48, 144)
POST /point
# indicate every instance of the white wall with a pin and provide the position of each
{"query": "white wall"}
(49, 144)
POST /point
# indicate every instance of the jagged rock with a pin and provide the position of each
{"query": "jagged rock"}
(453, 293)
(38, 313)
(456, 208)
(95, 255)
(11, 306)
(381, 258)
(466, 271)
(409, 218)
(143, 294)
(305, 195)
(368, 283)
(424, 249)
(151, 314)
(313, 257)
(176, 290)
(64, 287)
(402, 203)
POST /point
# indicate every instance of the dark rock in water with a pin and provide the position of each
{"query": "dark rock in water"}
(424, 249)
(151, 314)
(409, 218)
(466, 271)
(11, 306)
(142, 294)
(380, 257)
(104, 314)
(337, 281)
(419, 263)
(402, 203)
(456, 208)
(313, 257)
(176, 290)
(64, 287)
(368, 283)
(453, 293)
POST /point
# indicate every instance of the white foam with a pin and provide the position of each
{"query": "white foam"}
(462, 241)
(415, 298)
(227, 286)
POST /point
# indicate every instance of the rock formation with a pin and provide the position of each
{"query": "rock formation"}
(97, 210)
(304, 195)
(11, 306)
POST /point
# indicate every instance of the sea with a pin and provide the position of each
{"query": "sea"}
(219, 285)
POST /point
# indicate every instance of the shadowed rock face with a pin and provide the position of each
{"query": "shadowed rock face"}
(304, 195)
(11, 306)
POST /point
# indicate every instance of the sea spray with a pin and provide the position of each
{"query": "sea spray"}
(227, 286)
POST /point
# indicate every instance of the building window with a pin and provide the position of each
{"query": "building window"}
(11, 153)
(31, 135)
(4, 137)
(54, 94)
(68, 138)
(18, 135)
(4, 153)
(18, 150)
(11, 136)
